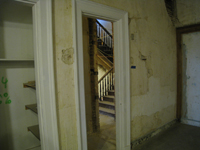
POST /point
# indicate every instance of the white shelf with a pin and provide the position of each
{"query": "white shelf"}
(16, 59)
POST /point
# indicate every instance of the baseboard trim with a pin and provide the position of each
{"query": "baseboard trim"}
(152, 134)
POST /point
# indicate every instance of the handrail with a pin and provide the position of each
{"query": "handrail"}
(104, 29)
(106, 83)
(105, 40)
(105, 74)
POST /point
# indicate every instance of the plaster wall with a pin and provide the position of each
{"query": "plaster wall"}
(191, 102)
(153, 82)
(188, 12)
(64, 73)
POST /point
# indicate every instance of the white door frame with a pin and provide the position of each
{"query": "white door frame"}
(44, 72)
(122, 69)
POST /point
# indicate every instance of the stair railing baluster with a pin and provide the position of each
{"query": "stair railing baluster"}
(104, 85)
(112, 79)
(100, 90)
(107, 83)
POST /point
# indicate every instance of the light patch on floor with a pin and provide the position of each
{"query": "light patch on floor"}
(105, 139)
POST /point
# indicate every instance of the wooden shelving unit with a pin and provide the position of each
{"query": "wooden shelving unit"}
(32, 107)
(4, 59)
(35, 131)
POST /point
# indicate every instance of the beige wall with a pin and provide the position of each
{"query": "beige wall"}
(153, 82)
(64, 73)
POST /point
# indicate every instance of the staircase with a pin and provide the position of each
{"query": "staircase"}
(104, 41)
(107, 94)
(107, 106)
(106, 83)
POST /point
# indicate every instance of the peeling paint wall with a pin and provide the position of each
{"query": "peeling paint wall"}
(188, 12)
(153, 82)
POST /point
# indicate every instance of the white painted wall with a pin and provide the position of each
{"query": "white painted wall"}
(16, 42)
(191, 95)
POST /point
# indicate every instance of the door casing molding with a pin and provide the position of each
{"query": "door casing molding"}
(122, 69)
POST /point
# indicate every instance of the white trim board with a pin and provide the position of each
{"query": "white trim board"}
(122, 69)
(44, 68)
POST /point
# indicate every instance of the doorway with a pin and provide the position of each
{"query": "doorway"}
(99, 84)
(188, 75)
(122, 70)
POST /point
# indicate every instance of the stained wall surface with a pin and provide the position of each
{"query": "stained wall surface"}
(153, 82)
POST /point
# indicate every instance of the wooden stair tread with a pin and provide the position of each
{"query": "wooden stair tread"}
(107, 110)
(109, 96)
(32, 107)
(35, 131)
(111, 91)
(30, 84)
(107, 103)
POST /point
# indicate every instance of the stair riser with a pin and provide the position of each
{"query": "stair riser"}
(107, 114)
(113, 87)
(108, 99)
(111, 93)
(107, 106)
